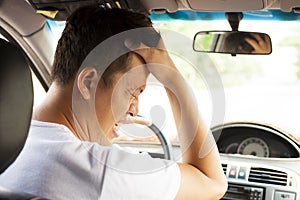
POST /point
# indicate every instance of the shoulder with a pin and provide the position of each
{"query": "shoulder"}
(119, 172)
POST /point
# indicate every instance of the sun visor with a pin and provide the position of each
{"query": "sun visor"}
(60, 9)
(228, 5)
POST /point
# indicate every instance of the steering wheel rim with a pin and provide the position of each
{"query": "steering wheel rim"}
(166, 144)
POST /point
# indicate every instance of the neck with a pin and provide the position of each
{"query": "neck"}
(57, 108)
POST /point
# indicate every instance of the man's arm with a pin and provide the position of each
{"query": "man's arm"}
(202, 176)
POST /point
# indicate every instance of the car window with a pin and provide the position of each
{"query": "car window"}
(257, 88)
(39, 91)
(261, 88)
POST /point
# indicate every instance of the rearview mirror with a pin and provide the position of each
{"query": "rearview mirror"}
(232, 42)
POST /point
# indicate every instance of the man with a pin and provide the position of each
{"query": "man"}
(98, 76)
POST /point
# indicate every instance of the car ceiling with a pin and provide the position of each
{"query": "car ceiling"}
(62, 8)
(18, 14)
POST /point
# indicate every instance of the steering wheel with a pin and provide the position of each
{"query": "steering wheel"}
(166, 145)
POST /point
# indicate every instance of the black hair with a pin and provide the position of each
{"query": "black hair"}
(85, 29)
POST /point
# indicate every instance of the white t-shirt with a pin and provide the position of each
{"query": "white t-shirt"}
(55, 164)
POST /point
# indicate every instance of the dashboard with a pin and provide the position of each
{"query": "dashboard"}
(254, 139)
(259, 161)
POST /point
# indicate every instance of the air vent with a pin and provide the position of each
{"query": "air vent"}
(224, 166)
(268, 176)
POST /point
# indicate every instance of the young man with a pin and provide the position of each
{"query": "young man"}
(98, 76)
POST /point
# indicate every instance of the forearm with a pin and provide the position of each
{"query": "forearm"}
(201, 173)
(197, 143)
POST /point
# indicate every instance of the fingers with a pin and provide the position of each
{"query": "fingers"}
(149, 42)
(147, 36)
(158, 60)
(139, 48)
(136, 119)
(260, 38)
(259, 46)
(252, 42)
(257, 37)
(132, 45)
(141, 120)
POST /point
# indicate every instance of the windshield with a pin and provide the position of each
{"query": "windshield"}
(257, 88)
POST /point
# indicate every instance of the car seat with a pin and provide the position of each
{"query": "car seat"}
(16, 101)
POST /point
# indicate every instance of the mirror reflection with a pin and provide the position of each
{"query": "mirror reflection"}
(232, 42)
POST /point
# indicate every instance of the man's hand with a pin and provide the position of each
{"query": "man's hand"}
(260, 45)
(158, 61)
(136, 119)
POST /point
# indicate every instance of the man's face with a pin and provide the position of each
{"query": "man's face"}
(122, 98)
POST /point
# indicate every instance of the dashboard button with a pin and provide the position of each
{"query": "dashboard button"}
(232, 172)
(242, 173)
(279, 195)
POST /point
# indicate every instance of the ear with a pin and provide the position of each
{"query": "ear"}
(87, 81)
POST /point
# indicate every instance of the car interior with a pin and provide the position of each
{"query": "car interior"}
(259, 149)
(16, 108)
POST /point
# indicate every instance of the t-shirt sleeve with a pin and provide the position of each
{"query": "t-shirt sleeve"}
(138, 176)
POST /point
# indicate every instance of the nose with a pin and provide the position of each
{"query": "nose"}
(133, 108)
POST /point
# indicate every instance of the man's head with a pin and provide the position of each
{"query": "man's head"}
(85, 29)
(101, 97)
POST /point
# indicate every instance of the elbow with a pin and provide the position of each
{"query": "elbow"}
(221, 188)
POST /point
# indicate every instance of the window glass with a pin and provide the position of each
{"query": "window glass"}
(258, 88)
(261, 88)
(38, 90)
